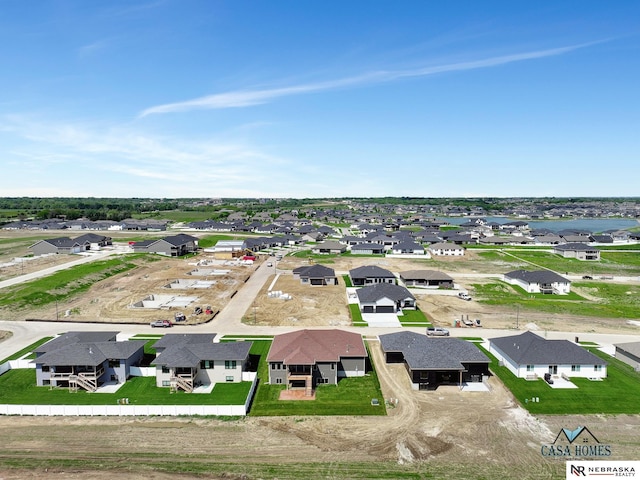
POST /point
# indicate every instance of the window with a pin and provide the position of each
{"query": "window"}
(278, 380)
(166, 383)
(229, 378)
(165, 369)
(529, 368)
(597, 368)
(322, 380)
(114, 363)
(575, 368)
(229, 364)
(45, 368)
(206, 364)
(46, 382)
(333, 366)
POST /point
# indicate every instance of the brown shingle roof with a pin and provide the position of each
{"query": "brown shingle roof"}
(307, 347)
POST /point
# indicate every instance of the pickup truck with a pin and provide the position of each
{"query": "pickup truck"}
(464, 296)
(437, 332)
(161, 323)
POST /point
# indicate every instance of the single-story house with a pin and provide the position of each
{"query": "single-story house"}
(426, 279)
(306, 358)
(228, 249)
(530, 356)
(93, 241)
(370, 275)
(449, 249)
(539, 281)
(629, 353)
(385, 298)
(60, 245)
(86, 360)
(185, 361)
(407, 248)
(367, 249)
(330, 246)
(316, 275)
(172, 246)
(581, 251)
(431, 362)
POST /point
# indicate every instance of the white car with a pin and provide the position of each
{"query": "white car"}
(464, 296)
(437, 332)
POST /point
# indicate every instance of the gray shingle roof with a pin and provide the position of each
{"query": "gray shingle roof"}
(424, 353)
(370, 271)
(91, 354)
(537, 276)
(530, 349)
(71, 338)
(315, 271)
(190, 354)
(375, 292)
(425, 275)
(172, 339)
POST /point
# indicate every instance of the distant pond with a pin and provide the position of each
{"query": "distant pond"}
(594, 225)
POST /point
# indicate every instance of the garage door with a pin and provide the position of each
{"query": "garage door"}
(317, 281)
(385, 309)
(367, 309)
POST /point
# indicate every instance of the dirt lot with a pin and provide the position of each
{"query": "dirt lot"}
(450, 433)
(309, 305)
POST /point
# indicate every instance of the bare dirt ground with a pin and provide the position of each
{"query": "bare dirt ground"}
(448, 431)
(309, 305)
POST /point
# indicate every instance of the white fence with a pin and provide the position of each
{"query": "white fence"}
(124, 410)
(142, 371)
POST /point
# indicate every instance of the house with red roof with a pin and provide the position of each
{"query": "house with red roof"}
(307, 358)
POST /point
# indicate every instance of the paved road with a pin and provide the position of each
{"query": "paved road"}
(93, 256)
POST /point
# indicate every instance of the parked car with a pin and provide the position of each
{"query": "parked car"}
(464, 296)
(437, 331)
(161, 323)
(587, 277)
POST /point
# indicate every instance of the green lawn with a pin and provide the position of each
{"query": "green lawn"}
(616, 300)
(66, 283)
(352, 396)
(347, 281)
(617, 394)
(19, 387)
(413, 318)
(356, 315)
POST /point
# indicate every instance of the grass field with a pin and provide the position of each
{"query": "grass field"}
(19, 387)
(66, 283)
(617, 394)
(413, 318)
(615, 300)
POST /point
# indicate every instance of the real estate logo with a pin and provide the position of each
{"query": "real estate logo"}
(579, 443)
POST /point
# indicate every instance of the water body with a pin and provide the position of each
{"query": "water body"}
(593, 225)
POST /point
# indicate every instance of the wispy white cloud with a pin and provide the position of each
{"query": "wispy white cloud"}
(92, 48)
(246, 98)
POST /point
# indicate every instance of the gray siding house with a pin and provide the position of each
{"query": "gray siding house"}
(580, 251)
(431, 362)
(306, 358)
(187, 361)
(629, 353)
(173, 246)
(426, 279)
(385, 298)
(86, 360)
(370, 275)
(316, 275)
(60, 245)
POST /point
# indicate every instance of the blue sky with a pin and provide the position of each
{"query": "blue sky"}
(283, 98)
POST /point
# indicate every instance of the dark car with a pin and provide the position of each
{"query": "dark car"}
(587, 277)
(161, 323)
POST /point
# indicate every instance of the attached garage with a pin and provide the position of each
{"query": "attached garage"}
(385, 309)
